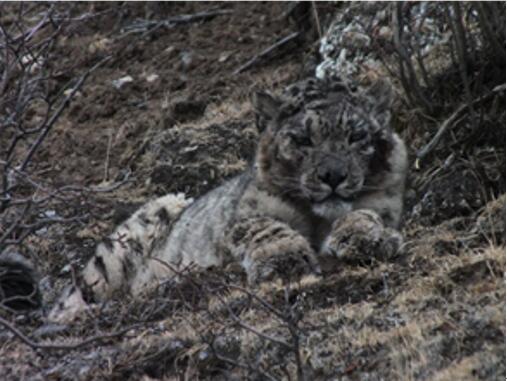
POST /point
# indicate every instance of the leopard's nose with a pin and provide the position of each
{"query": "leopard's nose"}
(332, 176)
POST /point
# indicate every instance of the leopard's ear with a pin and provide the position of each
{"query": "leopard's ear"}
(266, 107)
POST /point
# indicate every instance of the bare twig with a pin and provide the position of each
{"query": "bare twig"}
(254, 296)
(62, 346)
(250, 328)
(317, 20)
(60, 109)
(148, 26)
(450, 121)
(14, 225)
(58, 193)
(419, 58)
(461, 48)
(108, 153)
(243, 366)
(256, 59)
(27, 46)
(490, 37)
(287, 318)
(405, 62)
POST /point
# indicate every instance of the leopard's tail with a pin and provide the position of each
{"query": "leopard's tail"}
(123, 262)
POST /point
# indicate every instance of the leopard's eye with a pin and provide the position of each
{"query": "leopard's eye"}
(357, 136)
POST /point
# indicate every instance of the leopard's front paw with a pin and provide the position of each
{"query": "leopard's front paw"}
(286, 259)
(361, 235)
(269, 249)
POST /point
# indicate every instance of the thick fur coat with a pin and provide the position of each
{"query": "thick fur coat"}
(324, 152)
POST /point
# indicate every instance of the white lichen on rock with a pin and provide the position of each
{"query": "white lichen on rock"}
(360, 41)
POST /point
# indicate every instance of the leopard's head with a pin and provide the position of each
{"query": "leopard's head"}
(321, 141)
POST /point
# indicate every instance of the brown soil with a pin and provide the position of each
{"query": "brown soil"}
(436, 312)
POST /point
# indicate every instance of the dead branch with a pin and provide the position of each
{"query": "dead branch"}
(28, 229)
(266, 52)
(252, 329)
(485, 10)
(451, 120)
(62, 346)
(418, 55)
(60, 109)
(317, 20)
(108, 154)
(292, 319)
(58, 193)
(148, 26)
(405, 63)
(461, 48)
(289, 319)
(261, 301)
(31, 103)
(14, 224)
(243, 366)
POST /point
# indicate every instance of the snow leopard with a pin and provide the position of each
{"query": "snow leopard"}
(326, 150)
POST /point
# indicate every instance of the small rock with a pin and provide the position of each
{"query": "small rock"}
(224, 57)
(77, 94)
(187, 60)
(227, 346)
(385, 32)
(170, 50)
(31, 63)
(99, 45)
(50, 213)
(118, 83)
(65, 269)
(152, 78)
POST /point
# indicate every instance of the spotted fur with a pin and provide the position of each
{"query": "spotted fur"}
(324, 151)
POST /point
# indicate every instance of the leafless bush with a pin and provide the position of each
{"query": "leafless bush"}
(449, 59)
(218, 298)
(476, 41)
(289, 314)
(31, 101)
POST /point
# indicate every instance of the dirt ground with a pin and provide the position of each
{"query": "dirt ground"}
(184, 124)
